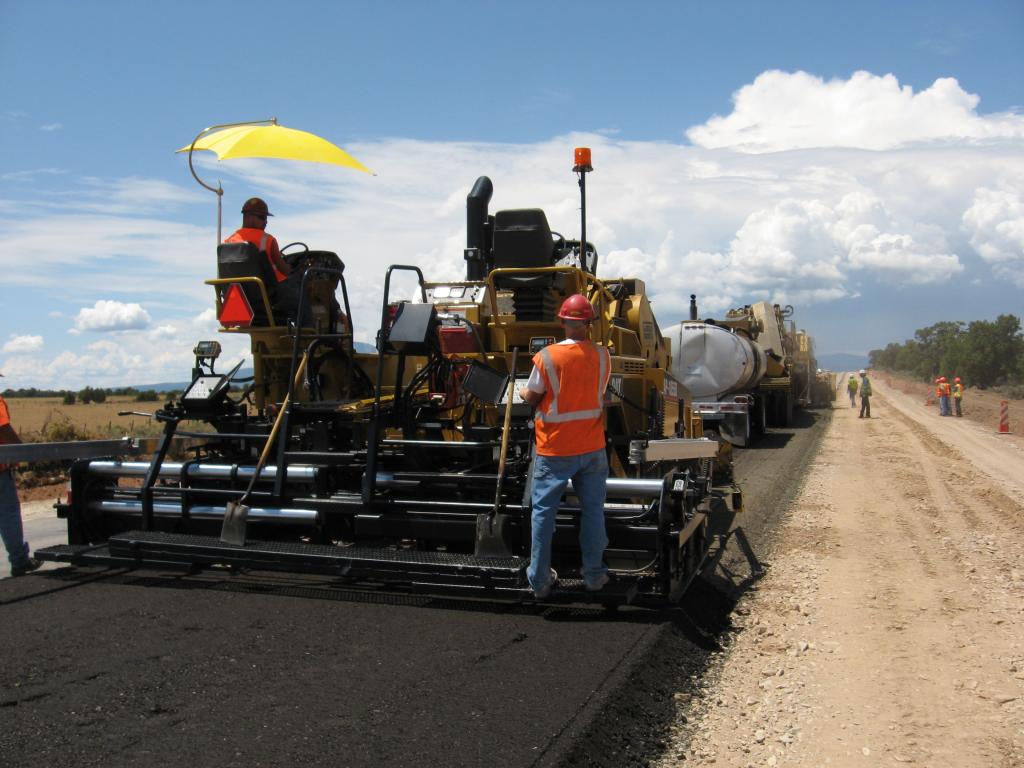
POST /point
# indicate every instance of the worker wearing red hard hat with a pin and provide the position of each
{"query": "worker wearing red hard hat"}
(11, 528)
(958, 395)
(946, 391)
(567, 387)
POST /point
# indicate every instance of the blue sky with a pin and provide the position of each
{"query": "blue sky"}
(861, 161)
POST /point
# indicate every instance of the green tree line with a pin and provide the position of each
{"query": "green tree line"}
(86, 394)
(983, 353)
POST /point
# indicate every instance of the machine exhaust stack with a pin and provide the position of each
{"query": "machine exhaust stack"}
(479, 226)
(693, 306)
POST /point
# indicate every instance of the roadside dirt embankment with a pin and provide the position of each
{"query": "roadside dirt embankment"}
(890, 626)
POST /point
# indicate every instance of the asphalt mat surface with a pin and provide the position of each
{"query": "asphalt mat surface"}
(147, 668)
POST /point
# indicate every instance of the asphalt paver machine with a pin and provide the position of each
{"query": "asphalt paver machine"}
(410, 467)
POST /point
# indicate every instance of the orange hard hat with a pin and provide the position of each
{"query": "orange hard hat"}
(942, 379)
(577, 307)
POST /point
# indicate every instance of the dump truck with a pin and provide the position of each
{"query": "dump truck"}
(743, 370)
(409, 468)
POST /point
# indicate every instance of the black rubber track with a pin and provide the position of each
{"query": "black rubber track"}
(156, 669)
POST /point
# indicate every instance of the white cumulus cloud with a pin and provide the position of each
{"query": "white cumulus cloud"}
(995, 223)
(22, 344)
(108, 315)
(796, 110)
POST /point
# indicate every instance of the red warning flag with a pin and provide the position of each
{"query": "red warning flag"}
(235, 308)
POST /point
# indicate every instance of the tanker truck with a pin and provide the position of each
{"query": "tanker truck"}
(739, 369)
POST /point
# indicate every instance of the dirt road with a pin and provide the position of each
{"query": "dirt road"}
(889, 629)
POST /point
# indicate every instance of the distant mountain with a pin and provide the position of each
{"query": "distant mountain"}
(842, 361)
(243, 373)
(179, 386)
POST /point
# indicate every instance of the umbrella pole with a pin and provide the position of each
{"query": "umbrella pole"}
(218, 190)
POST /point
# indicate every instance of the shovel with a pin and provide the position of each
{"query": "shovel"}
(236, 513)
(490, 526)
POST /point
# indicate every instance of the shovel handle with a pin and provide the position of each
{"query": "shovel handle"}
(273, 433)
(505, 429)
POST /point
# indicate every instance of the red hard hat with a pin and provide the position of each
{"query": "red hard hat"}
(942, 378)
(957, 379)
(576, 307)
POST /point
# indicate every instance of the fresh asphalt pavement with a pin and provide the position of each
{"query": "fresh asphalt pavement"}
(149, 668)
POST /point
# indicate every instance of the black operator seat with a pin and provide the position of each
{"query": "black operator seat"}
(522, 239)
(246, 260)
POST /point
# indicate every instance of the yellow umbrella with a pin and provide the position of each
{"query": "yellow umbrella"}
(264, 138)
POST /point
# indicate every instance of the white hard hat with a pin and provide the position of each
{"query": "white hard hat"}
(862, 371)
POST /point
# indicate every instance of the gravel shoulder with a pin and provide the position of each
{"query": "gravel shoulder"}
(889, 628)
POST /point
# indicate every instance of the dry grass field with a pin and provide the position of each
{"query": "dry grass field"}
(46, 418)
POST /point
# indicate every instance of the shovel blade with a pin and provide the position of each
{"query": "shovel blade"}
(232, 531)
(490, 538)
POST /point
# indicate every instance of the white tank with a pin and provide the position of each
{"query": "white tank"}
(712, 361)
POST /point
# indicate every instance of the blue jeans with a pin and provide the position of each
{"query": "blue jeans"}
(10, 522)
(551, 475)
(943, 405)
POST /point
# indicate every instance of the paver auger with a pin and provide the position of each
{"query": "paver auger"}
(382, 468)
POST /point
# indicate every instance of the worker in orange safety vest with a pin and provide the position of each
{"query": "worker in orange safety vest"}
(958, 395)
(285, 294)
(12, 529)
(567, 387)
(942, 393)
(254, 230)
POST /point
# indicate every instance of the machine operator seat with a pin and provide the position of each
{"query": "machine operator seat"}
(522, 240)
(246, 260)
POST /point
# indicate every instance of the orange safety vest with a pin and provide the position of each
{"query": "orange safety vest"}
(570, 417)
(265, 242)
(938, 389)
(5, 419)
(946, 389)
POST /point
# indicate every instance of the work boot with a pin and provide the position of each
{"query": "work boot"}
(544, 591)
(30, 565)
(599, 584)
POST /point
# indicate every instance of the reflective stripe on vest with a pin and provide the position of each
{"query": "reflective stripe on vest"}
(248, 235)
(553, 415)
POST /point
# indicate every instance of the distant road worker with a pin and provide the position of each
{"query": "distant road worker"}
(942, 393)
(865, 395)
(851, 387)
(958, 395)
(567, 387)
(11, 529)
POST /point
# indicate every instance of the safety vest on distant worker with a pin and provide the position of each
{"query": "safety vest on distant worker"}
(938, 389)
(958, 391)
(946, 389)
(851, 385)
(266, 243)
(865, 387)
(570, 417)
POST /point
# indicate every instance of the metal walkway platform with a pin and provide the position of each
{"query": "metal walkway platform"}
(443, 572)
